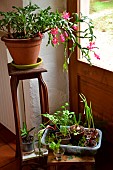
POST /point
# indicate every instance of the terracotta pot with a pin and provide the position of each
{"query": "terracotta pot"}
(23, 51)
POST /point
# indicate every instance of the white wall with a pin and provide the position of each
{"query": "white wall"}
(6, 109)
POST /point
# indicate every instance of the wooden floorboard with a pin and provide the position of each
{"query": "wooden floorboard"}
(11, 166)
(7, 149)
(6, 135)
(7, 155)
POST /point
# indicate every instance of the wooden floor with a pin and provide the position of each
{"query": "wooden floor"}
(7, 150)
(9, 162)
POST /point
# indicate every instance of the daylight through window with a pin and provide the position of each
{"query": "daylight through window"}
(101, 12)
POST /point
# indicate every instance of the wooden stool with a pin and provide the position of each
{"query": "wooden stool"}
(16, 75)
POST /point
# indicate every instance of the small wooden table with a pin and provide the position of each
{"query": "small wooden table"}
(71, 162)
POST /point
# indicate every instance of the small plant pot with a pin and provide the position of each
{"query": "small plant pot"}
(40, 151)
(90, 143)
(28, 144)
(76, 132)
(58, 154)
(91, 133)
(20, 48)
(65, 140)
(42, 155)
(27, 147)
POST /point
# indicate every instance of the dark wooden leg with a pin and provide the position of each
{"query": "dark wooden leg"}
(43, 97)
(14, 84)
(90, 167)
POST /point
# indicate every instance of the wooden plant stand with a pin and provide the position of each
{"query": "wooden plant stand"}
(16, 75)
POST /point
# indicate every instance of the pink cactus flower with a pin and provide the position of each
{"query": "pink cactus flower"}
(40, 35)
(54, 31)
(54, 41)
(91, 45)
(97, 56)
(62, 38)
(66, 34)
(66, 15)
(75, 27)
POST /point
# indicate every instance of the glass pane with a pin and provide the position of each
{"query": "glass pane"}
(101, 12)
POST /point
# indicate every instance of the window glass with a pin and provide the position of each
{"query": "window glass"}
(101, 13)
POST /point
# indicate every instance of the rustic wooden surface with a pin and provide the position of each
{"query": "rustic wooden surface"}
(70, 162)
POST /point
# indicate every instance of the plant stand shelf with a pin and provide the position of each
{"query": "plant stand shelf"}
(15, 76)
